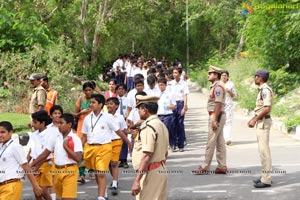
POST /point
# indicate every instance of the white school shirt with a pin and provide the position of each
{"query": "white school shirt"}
(118, 119)
(12, 156)
(131, 70)
(131, 98)
(179, 89)
(134, 115)
(153, 92)
(165, 99)
(38, 141)
(125, 103)
(98, 128)
(55, 145)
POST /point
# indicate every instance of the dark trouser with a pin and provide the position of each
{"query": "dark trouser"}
(129, 83)
(124, 152)
(168, 121)
(178, 124)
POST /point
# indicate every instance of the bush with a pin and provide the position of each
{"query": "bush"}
(282, 82)
(292, 122)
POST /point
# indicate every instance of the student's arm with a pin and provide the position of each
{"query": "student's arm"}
(73, 155)
(123, 136)
(36, 189)
(40, 159)
(28, 156)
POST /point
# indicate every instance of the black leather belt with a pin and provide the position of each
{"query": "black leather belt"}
(267, 116)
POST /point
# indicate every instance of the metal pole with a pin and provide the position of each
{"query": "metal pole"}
(187, 37)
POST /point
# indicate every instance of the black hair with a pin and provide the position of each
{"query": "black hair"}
(113, 80)
(151, 71)
(115, 100)
(162, 80)
(41, 116)
(151, 80)
(150, 106)
(7, 125)
(45, 78)
(121, 85)
(141, 93)
(90, 84)
(69, 118)
(56, 107)
(226, 72)
(99, 98)
(218, 74)
(138, 76)
(138, 81)
(178, 69)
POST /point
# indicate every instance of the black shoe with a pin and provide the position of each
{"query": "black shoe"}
(173, 148)
(261, 185)
(258, 181)
(121, 164)
(255, 181)
(126, 165)
(114, 191)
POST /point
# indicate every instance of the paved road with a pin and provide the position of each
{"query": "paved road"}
(242, 158)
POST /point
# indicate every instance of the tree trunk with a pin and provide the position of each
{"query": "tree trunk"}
(82, 18)
(241, 43)
(97, 35)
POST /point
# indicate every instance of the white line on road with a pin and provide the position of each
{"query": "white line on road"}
(81, 192)
(258, 191)
(127, 192)
(209, 191)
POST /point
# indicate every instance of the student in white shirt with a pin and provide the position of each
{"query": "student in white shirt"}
(13, 166)
(67, 148)
(180, 90)
(152, 89)
(112, 106)
(166, 105)
(97, 129)
(37, 144)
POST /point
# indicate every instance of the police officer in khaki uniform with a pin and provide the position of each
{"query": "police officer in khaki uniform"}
(39, 95)
(262, 122)
(150, 153)
(217, 118)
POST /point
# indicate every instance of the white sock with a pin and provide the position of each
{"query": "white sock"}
(106, 195)
(115, 183)
(101, 198)
(53, 196)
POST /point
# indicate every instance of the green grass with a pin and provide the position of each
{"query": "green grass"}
(19, 121)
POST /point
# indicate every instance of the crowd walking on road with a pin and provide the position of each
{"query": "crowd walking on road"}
(141, 115)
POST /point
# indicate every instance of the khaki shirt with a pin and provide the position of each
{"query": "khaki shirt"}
(38, 98)
(217, 94)
(264, 98)
(149, 141)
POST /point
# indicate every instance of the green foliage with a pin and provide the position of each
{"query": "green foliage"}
(282, 82)
(292, 122)
(4, 93)
(19, 121)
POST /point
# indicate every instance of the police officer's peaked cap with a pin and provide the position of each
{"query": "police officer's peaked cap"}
(35, 76)
(214, 69)
(146, 99)
(263, 73)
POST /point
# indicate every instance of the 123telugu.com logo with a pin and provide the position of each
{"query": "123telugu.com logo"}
(247, 8)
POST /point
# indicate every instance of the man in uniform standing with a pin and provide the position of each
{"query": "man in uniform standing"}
(217, 118)
(39, 95)
(150, 153)
(262, 121)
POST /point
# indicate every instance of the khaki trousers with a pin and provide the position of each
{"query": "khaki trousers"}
(154, 185)
(263, 133)
(215, 141)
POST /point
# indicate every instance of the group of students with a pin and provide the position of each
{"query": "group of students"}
(99, 139)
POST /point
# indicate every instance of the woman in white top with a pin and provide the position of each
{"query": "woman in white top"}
(229, 105)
